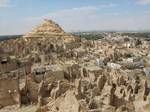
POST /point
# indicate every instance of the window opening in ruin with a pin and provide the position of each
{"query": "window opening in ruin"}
(4, 61)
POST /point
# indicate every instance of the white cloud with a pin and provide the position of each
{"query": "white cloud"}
(85, 11)
(4, 3)
(147, 12)
(107, 5)
(83, 19)
(143, 2)
(94, 18)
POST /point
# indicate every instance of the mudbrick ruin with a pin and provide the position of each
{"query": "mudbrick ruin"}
(49, 70)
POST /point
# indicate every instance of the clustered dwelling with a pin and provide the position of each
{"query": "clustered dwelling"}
(59, 72)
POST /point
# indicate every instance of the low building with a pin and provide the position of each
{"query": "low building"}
(8, 64)
(40, 72)
(94, 72)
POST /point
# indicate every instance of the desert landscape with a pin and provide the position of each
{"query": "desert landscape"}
(82, 56)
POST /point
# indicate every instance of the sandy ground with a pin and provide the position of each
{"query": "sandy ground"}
(14, 108)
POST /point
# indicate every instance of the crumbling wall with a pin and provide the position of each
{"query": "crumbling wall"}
(70, 103)
(9, 91)
(58, 74)
(32, 90)
(72, 45)
(8, 66)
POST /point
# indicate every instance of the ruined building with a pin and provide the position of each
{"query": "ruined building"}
(49, 70)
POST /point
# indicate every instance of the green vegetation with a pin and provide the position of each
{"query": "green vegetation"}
(7, 37)
(91, 36)
(140, 35)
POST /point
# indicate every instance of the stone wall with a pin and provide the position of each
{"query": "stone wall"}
(8, 66)
(73, 45)
(32, 90)
(9, 91)
(58, 74)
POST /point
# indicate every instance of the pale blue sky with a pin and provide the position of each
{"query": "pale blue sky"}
(20, 16)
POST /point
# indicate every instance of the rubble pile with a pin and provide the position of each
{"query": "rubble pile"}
(58, 72)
